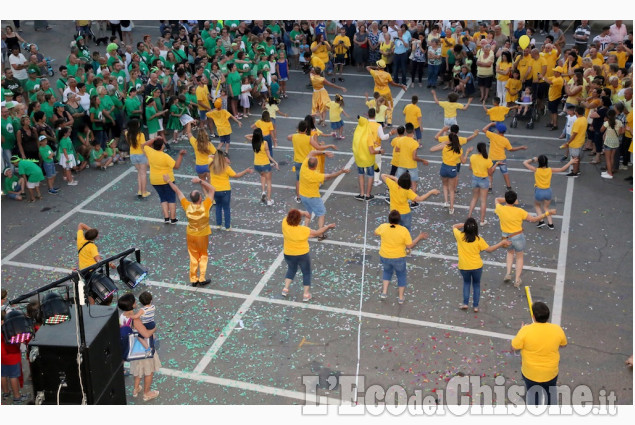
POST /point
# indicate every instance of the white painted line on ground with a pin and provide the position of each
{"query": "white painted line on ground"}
(337, 181)
(63, 218)
(361, 304)
(295, 304)
(362, 74)
(558, 293)
(248, 386)
(326, 241)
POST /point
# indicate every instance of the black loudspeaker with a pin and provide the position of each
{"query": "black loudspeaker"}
(53, 355)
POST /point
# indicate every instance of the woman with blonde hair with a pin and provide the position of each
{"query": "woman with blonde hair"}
(136, 139)
(204, 150)
(220, 172)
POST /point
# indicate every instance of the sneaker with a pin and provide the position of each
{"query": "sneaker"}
(507, 278)
(146, 194)
(629, 178)
(340, 79)
(606, 176)
(73, 183)
(540, 224)
(174, 221)
(518, 283)
(21, 400)
(451, 211)
(360, 197)
(400, 300)
(56, 188)
(572, 174)
(377, 183)
(270, 202)
(53, 191)
(166, 220)
(564, 158)
(562, 114)
(551, 227)
(369, 197)
(387, 199)
(489, 190)
(446, 205)
(414, 205)
(263, 197)
(483, 223)
(383, 296)
(111, 164)
(297, 200)
(227, 229)
(623, 167)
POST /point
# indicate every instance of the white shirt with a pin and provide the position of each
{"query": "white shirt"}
(617, 34)
(570, 120)
(68, 90)
(84, 101)
(20, 74)
(603, 39)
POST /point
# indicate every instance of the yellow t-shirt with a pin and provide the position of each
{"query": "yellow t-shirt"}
(310, 181)
(536, 68)
(443, 139)
(260, 157)
(445, 47)
(503, 67)
(511, 218)
(407, 146)
(497, 146)
(160, 163)
(382, 78)
(539, 344)
(449, 108)
(399, 197)
(266, 127)
(296, 239)
(579, 128)
(201, 157)
(335, 111)
(202, 93)
(412, 113)
(449, 157)
(197, 217)
(384, 48)
(317, 82)
(221, 120)
(395, 143)
(513, 87)
(340, 49)
(469, 252)
(272, 109)
(629, 123)
(480, 165)
(522, 63)
(393, 240)
(371, 104)
(221, 181)
(88, 253)
(542, 176)
(316, 62)
(141, 140)
(497, 113)
(551, 59)
(301, 146)
(321, 52)
(380, 113)
(555, 89)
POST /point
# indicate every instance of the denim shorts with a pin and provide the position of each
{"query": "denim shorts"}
(406, 220)
(574, 152)
(201, 169)
(503, 168)
(369, 171)
(480, 182)
(225, 139)
(314, 206)
(138, 158)
(542, 194)
(297, 165)
(202, 115)
(448, 171)
(263, 168)
(449, 121)
(396, 265)
(165, 192)
(337, 125)
(418, 133)
(49, 169)
(518, 242)
(17, 188)
(11, 371)
(414, 173)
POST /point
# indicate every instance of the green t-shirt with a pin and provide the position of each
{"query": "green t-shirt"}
(133, 104)
(275, 29)
(8, 134)
(152, 123)
(98, 116)
(11, 183)
(190, 100)
(61, 84)
(112, 60)
(108, 105)
(210, 45)
(48, 110)
(95, 154)
(66, 143)
(72, 69)
(45, 153)
(233, 79)
(121, 79)
(32, 87)
(31, 170)
(293, 35)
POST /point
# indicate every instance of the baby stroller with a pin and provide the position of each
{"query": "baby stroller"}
(531, 115)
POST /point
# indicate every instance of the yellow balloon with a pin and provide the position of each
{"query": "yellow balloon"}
(523, 42)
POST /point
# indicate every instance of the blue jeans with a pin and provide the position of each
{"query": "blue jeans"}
(396, 265)
(101, 136)
(6, 158)
(303, 262)
(400, 65)
(548, 390)
(433, 74)
(406, 220)
(223, 199)
(472, 278)
(269, 141)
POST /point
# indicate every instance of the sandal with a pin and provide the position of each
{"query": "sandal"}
(463, 306)
(285, 292)
(475, 309)
(136, 391)
(508, 278)
(151, 395)
(518, 283)
(306, 298)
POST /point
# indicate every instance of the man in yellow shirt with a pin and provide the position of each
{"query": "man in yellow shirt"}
(203, 101)
(511, 222)
(310, 181)
(86, 248)
(555, 95)
(198, 229)
(412, 114)
(577, 138)
(498, 145)
(523, 65)
(382, 80)
(539, 344)
(407, 149)
(538, 70)
(341, 47)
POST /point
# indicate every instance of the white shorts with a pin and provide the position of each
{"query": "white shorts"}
(67, 165)
(160, 124)
(449, 121)
(32, 185)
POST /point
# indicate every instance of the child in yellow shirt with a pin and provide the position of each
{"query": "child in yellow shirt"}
(450, 107)
(497, 113)
(336, 109)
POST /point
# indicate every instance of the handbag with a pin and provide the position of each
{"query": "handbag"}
(136, 350)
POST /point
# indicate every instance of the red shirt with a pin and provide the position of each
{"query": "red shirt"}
(11, 354)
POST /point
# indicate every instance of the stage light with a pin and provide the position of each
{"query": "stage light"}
(54, 309)
(17, 328)
(101, 287)
(131, 272)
